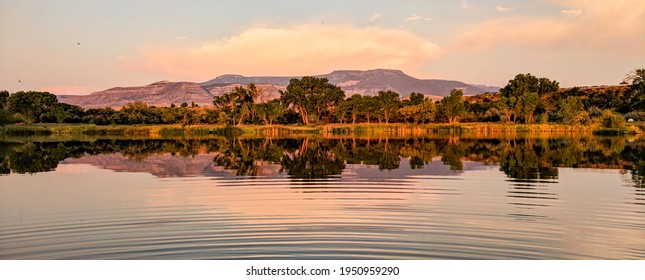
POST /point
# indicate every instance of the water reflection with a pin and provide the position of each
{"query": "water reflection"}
(323, 198)
(521, 159)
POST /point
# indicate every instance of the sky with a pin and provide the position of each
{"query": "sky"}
(83, 46)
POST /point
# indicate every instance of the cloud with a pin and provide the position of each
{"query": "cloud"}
(416, 18)
(374, 17)
(294, 50)
(501, 9)
(181, 38)
(68, 90)
(572, 12)
(607, 26)
(464, 4)
(413, 18)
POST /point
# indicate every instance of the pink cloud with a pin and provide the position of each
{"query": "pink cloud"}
(295, 50)
(608, 26)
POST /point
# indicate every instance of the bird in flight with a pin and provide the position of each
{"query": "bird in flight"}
(78, 43)
(19, 81)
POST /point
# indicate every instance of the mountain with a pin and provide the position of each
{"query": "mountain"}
(157, 94)
(368, 82)
(372, 81)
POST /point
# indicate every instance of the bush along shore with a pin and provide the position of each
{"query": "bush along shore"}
(393, 130)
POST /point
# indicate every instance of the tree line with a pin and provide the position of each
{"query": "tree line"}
(311, 100)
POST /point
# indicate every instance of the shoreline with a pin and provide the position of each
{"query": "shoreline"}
(393, 129)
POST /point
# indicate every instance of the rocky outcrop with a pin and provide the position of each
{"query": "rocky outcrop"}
(157, 94)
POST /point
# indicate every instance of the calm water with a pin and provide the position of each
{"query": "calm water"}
(311, 198)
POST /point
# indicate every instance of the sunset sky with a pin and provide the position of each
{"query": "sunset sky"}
(135, 42)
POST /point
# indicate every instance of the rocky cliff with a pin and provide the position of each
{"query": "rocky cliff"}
(157, 94)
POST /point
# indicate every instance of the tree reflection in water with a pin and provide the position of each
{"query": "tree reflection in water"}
(520, 158)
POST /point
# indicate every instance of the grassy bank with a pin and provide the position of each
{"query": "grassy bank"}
(393, 130)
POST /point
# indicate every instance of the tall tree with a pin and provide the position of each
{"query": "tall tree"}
(419, 113)
(4, 98)
(33, 105)
(530, 101)
(5, 116)
(416, 98)
(427, 112)
(341, 111)
(369, 107)
(355, 103)
(512, 95)
(409, 112)
(570, 107)
(311, 97)
(452, 106)
(269, 111)
(238, 104)
(637, 100)
(389, 102)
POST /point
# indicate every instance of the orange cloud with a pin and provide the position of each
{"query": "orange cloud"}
(296, 50)
(610, 26)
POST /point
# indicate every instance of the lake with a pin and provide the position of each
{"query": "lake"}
(319, 197)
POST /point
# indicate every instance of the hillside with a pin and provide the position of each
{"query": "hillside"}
(368, 82)
(352, 82)
(372, 81)
(157, 94)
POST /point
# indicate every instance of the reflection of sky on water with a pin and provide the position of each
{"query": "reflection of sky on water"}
(438, 212)
(109, 205)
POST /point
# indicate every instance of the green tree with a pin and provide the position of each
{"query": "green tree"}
(409, 112)
(512, 95)
(59, 113)
(570, 107)
(637, 77)
(33, 105)
(369, 107)
(427, 113)
(609, 119)
(355, 104)
(419, 113)
(637, 98)
(341, 112)
(4, 98)
(416, 98)
(530, 101)
(389, 102)
(238, 104)
(311, 97)
(269, 111)
(5, 117)
(137, 112)
(452, 106)
(189, 117)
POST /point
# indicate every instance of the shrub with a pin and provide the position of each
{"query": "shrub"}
(6, 118)
(609, 119)
(582, 119)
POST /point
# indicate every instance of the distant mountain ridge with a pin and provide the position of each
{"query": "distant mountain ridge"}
(161, 93)
(368, 82)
